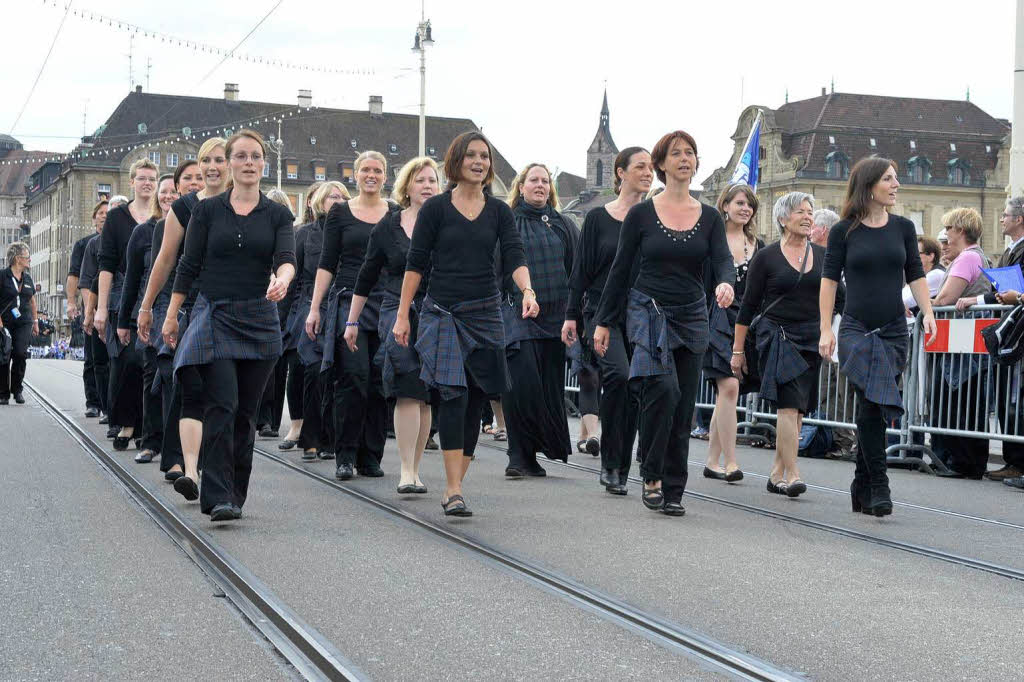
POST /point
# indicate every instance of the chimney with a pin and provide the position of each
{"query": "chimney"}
(138, 88)
(231, 92)
(376, 106)
(305, 98)
(823, 92)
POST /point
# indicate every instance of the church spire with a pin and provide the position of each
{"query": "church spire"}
(604, 110)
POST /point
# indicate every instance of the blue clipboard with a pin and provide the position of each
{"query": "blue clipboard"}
(1005, 279)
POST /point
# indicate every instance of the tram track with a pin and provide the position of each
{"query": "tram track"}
(309, 652)
(920, 550)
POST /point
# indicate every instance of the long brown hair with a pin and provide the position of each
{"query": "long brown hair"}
(622, 162)
(865, 174)
(728, 194)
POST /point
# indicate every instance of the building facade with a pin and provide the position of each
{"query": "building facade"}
(16, 167)
(949, 154)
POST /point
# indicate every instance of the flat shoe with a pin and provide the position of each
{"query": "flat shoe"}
(323, 454)
(309, 455)
(514, 472)
(121, 443)
(711, 473)
(419, 489)
(222, 512)
(536, 471)
(733, 476)
(581, 446)
(500, 435)
(172, 475)
(796, 488)
(375, 472)
(593, 446)
(145, 456)
(92, 412)
(776, 488)
(287, 444)
(187, 488)
(431, 444)
(653, 499)
(407, 489)
(673, 509)
(104, 419)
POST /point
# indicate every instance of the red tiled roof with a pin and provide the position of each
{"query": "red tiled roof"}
(13, 176)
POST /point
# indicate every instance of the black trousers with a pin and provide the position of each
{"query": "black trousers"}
(101, 369)
(590, 390)
(233, 389)
(871, 473)
(360, 410)
(1008, 412)
(620, 404)
(957, 408)
(92, 396)
(170, 401)
(152, 404)
(666, 410)
(457, 420)
(126, 384)
(12, 374)
(278, 386)
(535, 402)
(317, 410)
(296, 379)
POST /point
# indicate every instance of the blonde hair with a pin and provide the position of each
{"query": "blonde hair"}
(410, 170)
(370, 154)
(139, 165)
(967, 220)
(207, 147)
(156, 213)
(320, 196)
(307, 203)
(515, 193)
(14, 250)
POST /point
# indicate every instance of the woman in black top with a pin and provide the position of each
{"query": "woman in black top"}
(139, 256)
(620, 400)
(534, 405)
(673, 235)
(458, 236)
(738, 206)
(96, 366)
(240, 241)
(316, 437)
(386, 257)
(782, 285)
(18, 319)
(360, 411)
(125, 360)
(873, 252)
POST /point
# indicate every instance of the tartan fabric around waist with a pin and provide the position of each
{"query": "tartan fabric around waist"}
(230, 330)
(656, 331)
(873, 359)
(447, 337)
(722, 332)
(311, 351)
(295, 324)
(778, 350)
(392, 358)
(338, 304)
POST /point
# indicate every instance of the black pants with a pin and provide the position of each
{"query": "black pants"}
(317, 410)
(233, 389)
(170, 401)
(360, 411)
(1011, 422)
(666, 411)
(535, 402)
(296, 379)
(957, 408)
(100, 368)
(457, 420)
(620, 404)
(126, 384)
(12, 374)
(152, 404)
(871, 471)
(92, 396)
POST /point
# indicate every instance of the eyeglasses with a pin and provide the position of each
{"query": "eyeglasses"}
(242, 157)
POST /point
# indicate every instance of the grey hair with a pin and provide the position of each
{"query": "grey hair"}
(788, 203)
(279, 196)
(1015, 206)
(16, 249)
(826, 218)
(116, 200)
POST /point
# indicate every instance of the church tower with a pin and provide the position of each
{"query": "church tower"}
(601, 154)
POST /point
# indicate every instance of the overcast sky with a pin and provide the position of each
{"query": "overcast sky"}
(530, 73)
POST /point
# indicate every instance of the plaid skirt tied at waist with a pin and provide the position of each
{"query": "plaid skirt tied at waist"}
(230, 330)
(448, 337)
(874, 359)
(392, 358)
(778, 350)
(338, 304)
(656, 331)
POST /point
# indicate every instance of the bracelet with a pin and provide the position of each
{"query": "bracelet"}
(530, 290)
(145, 310)
(738, 352)
(351, 324)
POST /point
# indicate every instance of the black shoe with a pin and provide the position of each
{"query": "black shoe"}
(952, 473)
(535, 470)
(796, 488)
(236, 511)
(267, 432)
(146, 456)
(776, 488)
(455, 506)
(673, 509)
(653, 499)
(881, 501)
(593, 446)
(286, 444)
(223, 512)
(113, 430)
(343, 472)
(514, 472)
(172, 476)
(5, 401)
(187, 488)
(91, 412)
(372, 471)
(733, 476)
(121, 443)
(19, 398)
(432, 444)
(711, 473)
(323, 454)
(860, 500)
(104, 419)
(309, 455)
(406, 489)
(609, 477)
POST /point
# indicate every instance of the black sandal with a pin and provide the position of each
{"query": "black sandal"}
(455, 506)
(653, 499)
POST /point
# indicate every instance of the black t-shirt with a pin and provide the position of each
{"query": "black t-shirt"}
(386, 258)
(309, 243)
(345, 241)
(595, 252)
(117, 230)
(16, 294)
(460, 253)
(874, 263)
(91, 266)
(770, 277)
(235, 254)
(671, 262)
(136, 272)
(78, 253)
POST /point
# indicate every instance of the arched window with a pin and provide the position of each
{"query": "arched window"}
(837, 165)
(958, 172)
(599, 174)
(919, 170)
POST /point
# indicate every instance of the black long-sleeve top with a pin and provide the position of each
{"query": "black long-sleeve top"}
(139, 260)
(386, 257)
(309, 242)
(158, 239)
(236, 254)
(595, 253)
(284, 306)
(91, 266)
(874, 263)
(461, 252)
(671, 262)
(13, 292)
(77, 254)
(771, 276)
(117, 230)
(345, 241)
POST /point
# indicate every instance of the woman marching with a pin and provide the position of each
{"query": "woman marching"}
(673, 235)
(360, 419)
(782, 290)
(316, 435)
(139, 257)
(874, 251)
(619, 406)
(244, 245)
(738, 206)
(18, 319)
(125, 360)
(388, 251)
(535, 402)
(461, 342)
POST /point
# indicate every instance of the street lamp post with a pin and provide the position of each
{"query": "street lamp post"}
(277, 145)
(423, 40)
(1016, 187)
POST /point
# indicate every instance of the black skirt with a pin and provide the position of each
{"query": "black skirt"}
(535, 403)
(789, 363)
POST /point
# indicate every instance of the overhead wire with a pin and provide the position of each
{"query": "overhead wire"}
(43, 65)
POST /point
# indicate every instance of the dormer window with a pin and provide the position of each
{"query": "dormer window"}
(913, 145)
(919, 170)
(837, 165)
(354, 143)
(431, 151)
(392, 148)
(312, 139)
(831, 139)
(958, 172)
(873, 143)
(988, 149)
(952, 146)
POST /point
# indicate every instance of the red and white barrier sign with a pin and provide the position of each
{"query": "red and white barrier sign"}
(959, 336)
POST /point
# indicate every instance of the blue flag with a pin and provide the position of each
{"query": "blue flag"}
(746, 167)
(1005, 279)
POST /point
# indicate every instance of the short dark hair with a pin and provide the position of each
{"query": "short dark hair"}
(622, 162)
(931, 247)
(456, 154)
(180, 170)
(660, 151)
(97, 207)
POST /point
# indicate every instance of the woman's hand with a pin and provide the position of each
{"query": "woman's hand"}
(530, 306)
(963, 304)
(99, 320)
(35, 327)
(72, 310)
(277, 289)
(313, 323)
(401, 330)
(87, 325)
(827, 343)
(738, 364)
(145, 323)
(125, 335)
(724, 295)
(601, 336)
(1008, 297)
(569, 332)
(170, 330)
(351, 333)
(929, 327)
